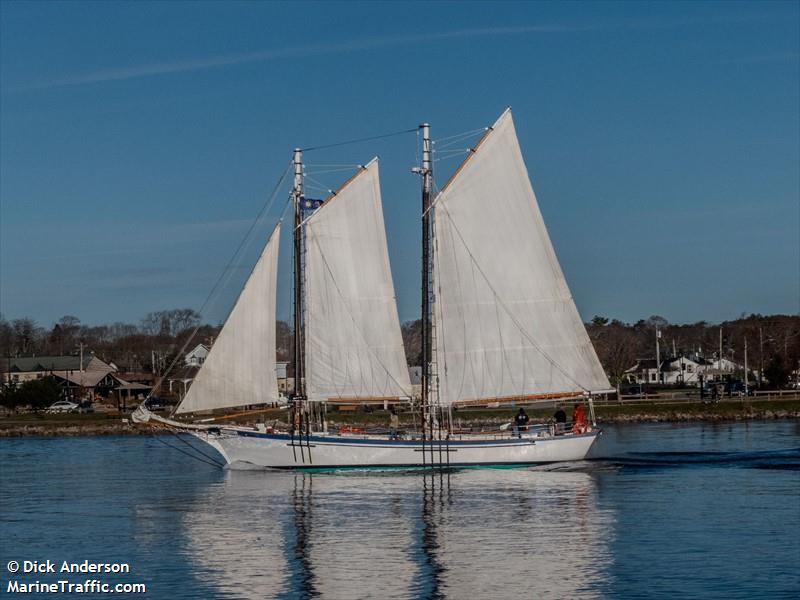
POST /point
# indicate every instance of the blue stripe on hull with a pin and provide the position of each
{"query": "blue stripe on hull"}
(347, 441)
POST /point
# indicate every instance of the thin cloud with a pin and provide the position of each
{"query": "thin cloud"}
(212, 62)
(188, 66)
(762, 58)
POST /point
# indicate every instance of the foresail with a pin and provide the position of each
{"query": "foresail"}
(506, 325)
(240, 368)
(354, 349)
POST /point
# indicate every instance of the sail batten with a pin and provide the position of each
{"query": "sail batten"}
(354, 349)
(505, 321)
(240, 367)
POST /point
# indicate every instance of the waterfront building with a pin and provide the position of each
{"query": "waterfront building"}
(677, 370)
(197, 356)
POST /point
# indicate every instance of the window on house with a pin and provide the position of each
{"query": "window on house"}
(652, 376)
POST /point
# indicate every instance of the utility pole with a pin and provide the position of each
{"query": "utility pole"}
(658, 356)
(760, 355)
(745, 366)
(720, 350)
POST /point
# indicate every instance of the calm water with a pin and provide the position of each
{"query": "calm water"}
(708, 510)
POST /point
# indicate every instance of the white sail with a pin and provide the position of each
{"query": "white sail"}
(354, 349)
(506, 325)
(240, 368)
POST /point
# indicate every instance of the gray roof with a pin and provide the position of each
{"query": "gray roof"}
(49, 363)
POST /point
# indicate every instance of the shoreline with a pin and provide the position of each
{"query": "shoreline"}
(104, 425)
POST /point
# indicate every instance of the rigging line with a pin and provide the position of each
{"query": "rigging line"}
(180, 439)
(460, 135)
(319, 183)
(503, 304)
(336, 170)
(230, 272)
(352, 318)
(225, 272)
(451, 157)
(453, 151)
(356, 141)
(331, 165)
(182, 451)
(452, 142)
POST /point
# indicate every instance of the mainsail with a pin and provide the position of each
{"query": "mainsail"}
(240, 368)
(506, 327)
(354, 350)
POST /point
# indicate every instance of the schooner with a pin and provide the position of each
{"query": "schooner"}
(499, 326)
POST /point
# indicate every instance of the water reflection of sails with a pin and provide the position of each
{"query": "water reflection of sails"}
(236, 536)
(524, 534)
(471, 534)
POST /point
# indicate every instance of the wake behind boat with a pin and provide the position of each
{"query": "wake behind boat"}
(499, 326)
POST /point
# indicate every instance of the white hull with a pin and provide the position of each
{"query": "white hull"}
(242, 448)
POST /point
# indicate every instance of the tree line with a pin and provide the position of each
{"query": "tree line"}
(148, 346)
(773, 341)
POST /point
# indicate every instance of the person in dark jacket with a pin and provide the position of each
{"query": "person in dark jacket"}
(521, 421)
(560, 417)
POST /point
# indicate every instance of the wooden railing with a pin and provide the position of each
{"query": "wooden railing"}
(687, 396)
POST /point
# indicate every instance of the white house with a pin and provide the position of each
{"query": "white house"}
(680, 369)
(196, 357)
(683, 369)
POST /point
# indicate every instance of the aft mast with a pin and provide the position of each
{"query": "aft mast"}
(299, 346)
(428, 375)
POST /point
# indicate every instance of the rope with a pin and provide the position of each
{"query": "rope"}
(264, 209)
(317, 183)
(356, 141)
(182, 451)
(461, 135)
(180, 439)
(331, 170)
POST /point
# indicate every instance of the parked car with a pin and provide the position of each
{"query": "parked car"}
(631, 389)
(62, 406)
(156, 404)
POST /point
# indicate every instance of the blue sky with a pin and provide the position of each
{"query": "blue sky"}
(139, 140)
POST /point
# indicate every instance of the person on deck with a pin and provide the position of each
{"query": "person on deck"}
(578, 419)
(560, 418)
(394, 424)
(521, 421)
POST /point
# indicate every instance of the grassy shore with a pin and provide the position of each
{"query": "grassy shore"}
(112, 424)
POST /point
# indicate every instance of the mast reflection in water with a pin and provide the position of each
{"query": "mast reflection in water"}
(473, 533)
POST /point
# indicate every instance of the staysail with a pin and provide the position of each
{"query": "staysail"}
(505, 323)
(354, 349)
(240, 368)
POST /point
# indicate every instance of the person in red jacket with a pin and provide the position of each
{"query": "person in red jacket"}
(578, 419)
